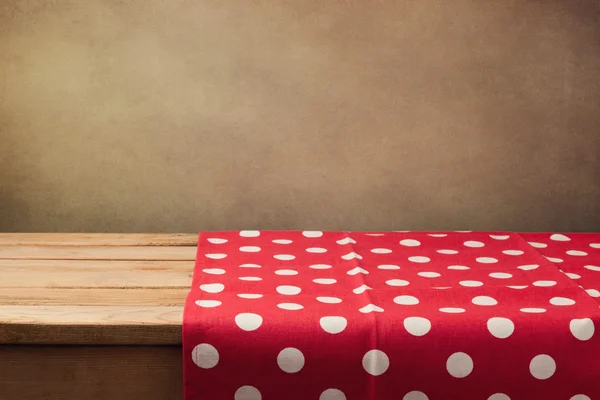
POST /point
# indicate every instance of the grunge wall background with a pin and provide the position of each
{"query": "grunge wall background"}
(179, 116)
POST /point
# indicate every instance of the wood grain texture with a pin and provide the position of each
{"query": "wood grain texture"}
(170, 297)
(95, 274)
(91, 290)
(91, 373)
(98, 239)
(90, 324)
(178, 253)
(92, 315)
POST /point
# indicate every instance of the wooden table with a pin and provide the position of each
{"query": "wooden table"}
(93, 316)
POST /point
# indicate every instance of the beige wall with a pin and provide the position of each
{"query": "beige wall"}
(157, 115)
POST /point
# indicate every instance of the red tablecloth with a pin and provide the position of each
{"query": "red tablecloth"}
(279, 315)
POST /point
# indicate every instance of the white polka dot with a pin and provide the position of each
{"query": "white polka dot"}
(217, 240)
(577, 253)
(517, 287)
(250, 278)
(351, 256)
(332, 394)
(250, 249)
(288, 290)
(329, 300)
(250, 266)
(250, 296)
(370, 308)
(375, 234)
(459, 365)
(499, 237)
(473, 243)
(214, 271)
(312, 234)
(513, 252)
(381, 251)
(580, 397)
(538, 245)
(559, 238)
(419, 259)
(406, 300)
(542, 366)
(533, 310)
(592, 268)
(470, 283)
(333, 325)
(397, 282)
(208, 303)
(583, 329)
(248, 321)
(205, 356)
(458, 267)
(375, 362)
(284, 257)
(441, 287)
(415, 395)
(452, 310)
(290, 306)
(361, 289)
(290, 360)
(484, 301)
(316, 250)
(320, 266)
(498, 396)
(417, 326)
(500, 327)
(216, 256)
(593, 292)
(427, 274)
(212, 287)
(388, 266)
(447, 251)
(528, 267)
(346, 241)
(247, 393)
(486, 260)
(286, 272)
(357, 270)
(410, 243)
(561, 301)
(544, 283)
(283, 241)
(324, 281)
(595, 245)
(554, 259)
(500, 275)
(250, 233)
(437, 235)
(572, 276)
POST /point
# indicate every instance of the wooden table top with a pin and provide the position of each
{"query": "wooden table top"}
(94, 288)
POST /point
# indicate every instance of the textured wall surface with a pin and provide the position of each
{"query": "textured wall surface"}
(151, 115)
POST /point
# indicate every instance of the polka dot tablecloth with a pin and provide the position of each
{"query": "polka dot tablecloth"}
(315, 315)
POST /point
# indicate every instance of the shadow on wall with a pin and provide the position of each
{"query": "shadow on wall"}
(184, 116)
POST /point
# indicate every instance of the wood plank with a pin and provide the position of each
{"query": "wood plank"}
(176, 253)
(90, 325)
(142, 265)
(95, 274)
(98, 239)
(93, 297)
(91, 373)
